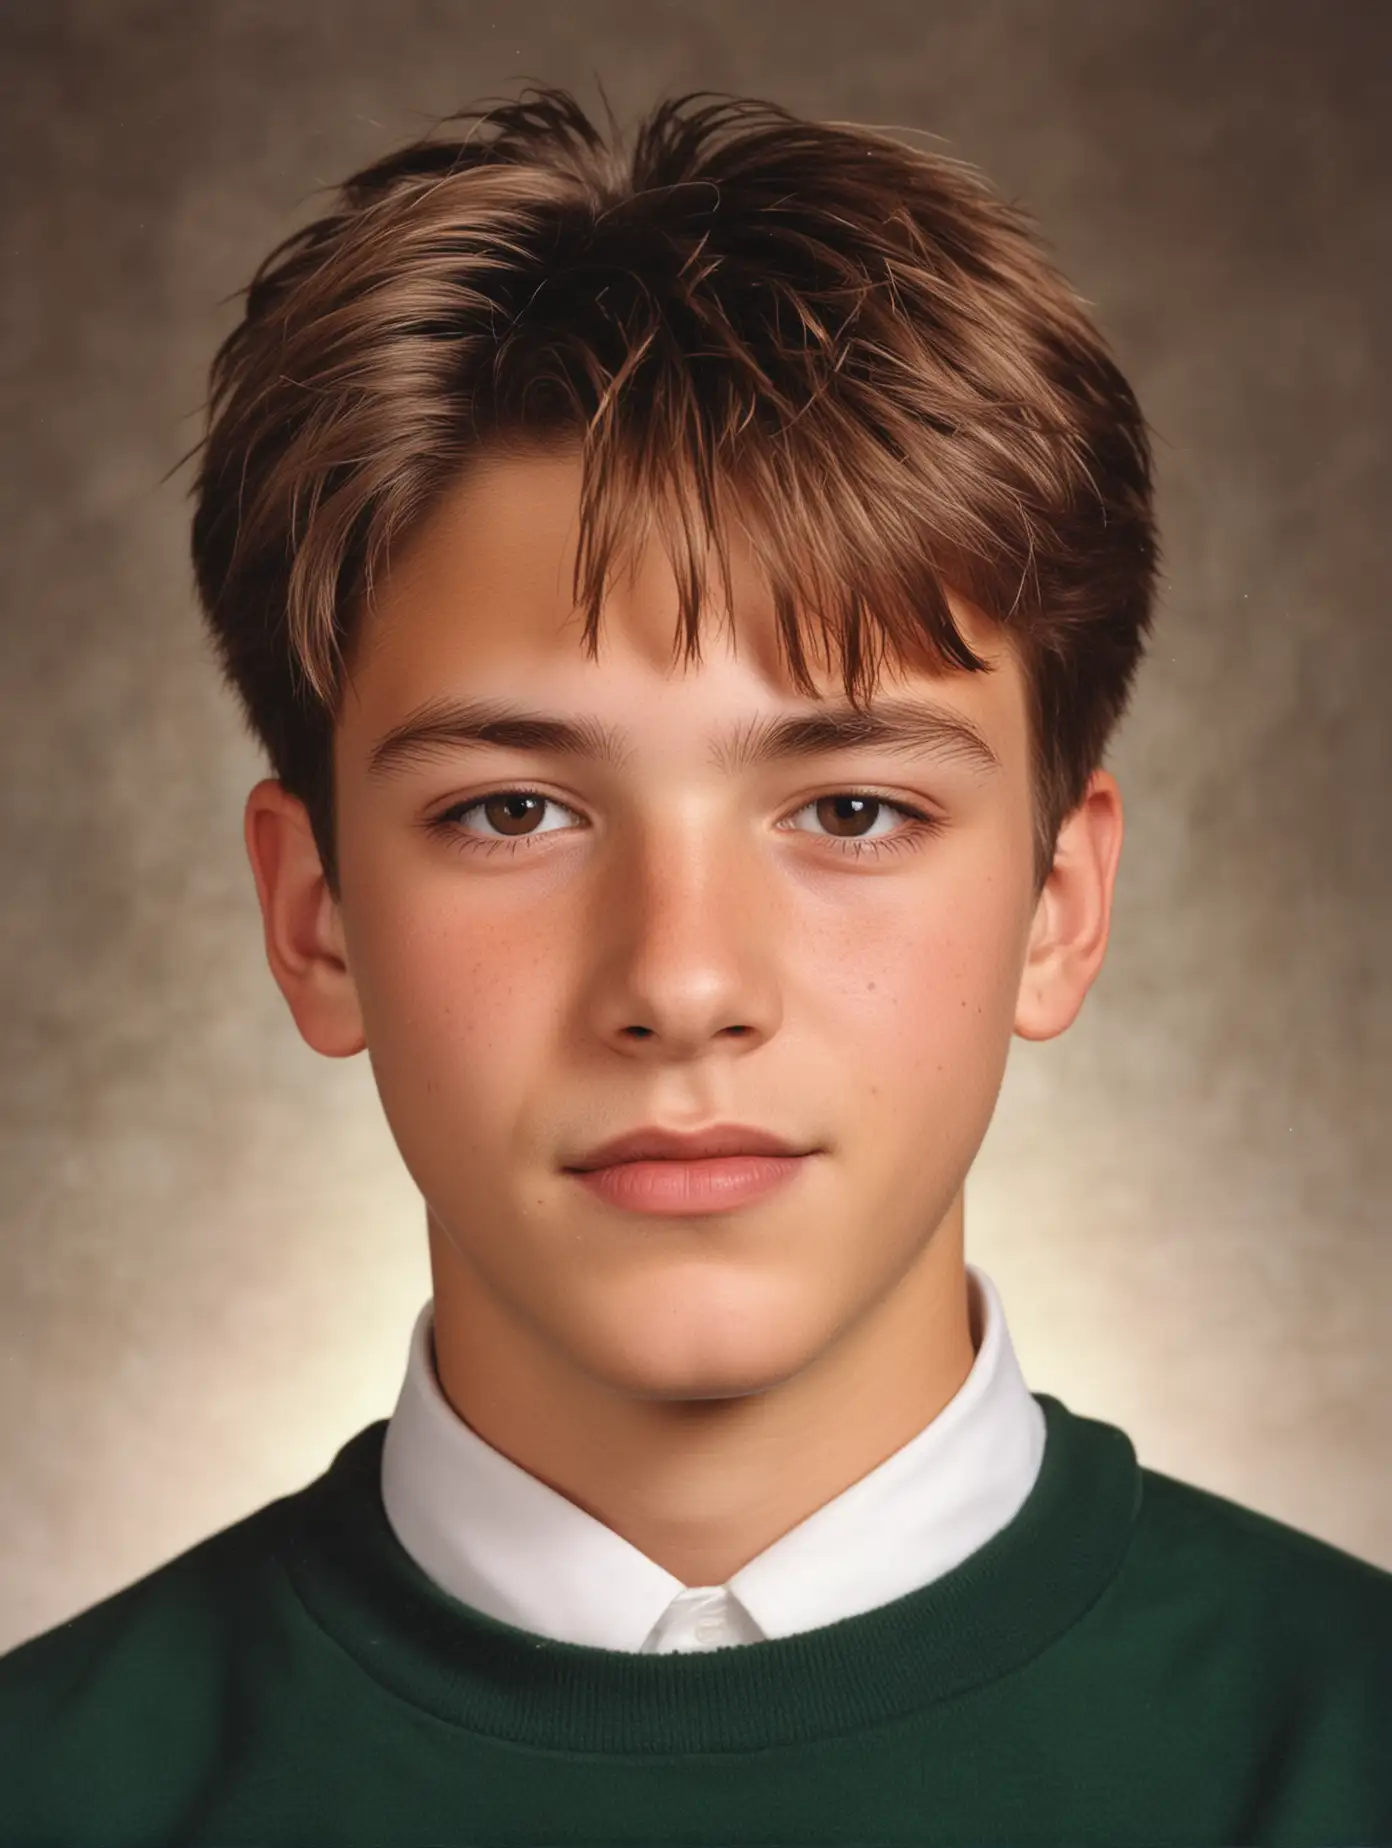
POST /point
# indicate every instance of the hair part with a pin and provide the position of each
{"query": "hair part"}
(852, 347)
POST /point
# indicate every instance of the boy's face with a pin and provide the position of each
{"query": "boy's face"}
(854, 1003)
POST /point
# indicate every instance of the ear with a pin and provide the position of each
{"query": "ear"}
(1068, 935)
(304, 931)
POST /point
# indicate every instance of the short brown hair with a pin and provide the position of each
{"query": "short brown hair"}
(853, 342)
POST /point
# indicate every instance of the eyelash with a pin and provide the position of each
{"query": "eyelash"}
(922, 825)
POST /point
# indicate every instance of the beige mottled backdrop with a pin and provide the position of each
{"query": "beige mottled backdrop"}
(212, 1254)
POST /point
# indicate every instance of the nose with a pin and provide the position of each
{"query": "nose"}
(689, 960)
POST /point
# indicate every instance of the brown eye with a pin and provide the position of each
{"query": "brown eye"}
(509, 817)
(848, 816)
(513, 811)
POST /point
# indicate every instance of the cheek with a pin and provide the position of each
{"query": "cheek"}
(926, 1003)
(459, 1006)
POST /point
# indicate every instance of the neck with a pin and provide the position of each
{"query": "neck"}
(703, 1485)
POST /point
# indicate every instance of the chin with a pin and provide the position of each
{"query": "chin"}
(690, 1357)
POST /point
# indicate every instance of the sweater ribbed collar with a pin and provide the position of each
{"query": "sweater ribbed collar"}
(992, 1613)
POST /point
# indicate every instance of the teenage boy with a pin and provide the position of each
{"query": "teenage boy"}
(714, 1507)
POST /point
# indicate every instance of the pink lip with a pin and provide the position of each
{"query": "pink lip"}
(716, 1184)
(657, 1144)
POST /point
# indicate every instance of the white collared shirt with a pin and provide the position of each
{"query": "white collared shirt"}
(495, 1537)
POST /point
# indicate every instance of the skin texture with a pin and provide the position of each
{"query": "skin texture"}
(700, 1384)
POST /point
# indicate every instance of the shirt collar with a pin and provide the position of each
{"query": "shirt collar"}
(497, 1538)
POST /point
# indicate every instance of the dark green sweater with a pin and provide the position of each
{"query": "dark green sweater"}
(1130, 1661)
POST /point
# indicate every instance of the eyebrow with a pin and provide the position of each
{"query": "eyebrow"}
(914, 727)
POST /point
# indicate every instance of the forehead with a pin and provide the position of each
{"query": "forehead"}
(480, 602)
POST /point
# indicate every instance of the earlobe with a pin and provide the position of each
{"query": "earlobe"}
(1068, 934)
(302, 927)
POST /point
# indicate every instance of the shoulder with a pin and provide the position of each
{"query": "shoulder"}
(1189, 1520)
(178, 1615)
(1289, 1603)
(118, 1712)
